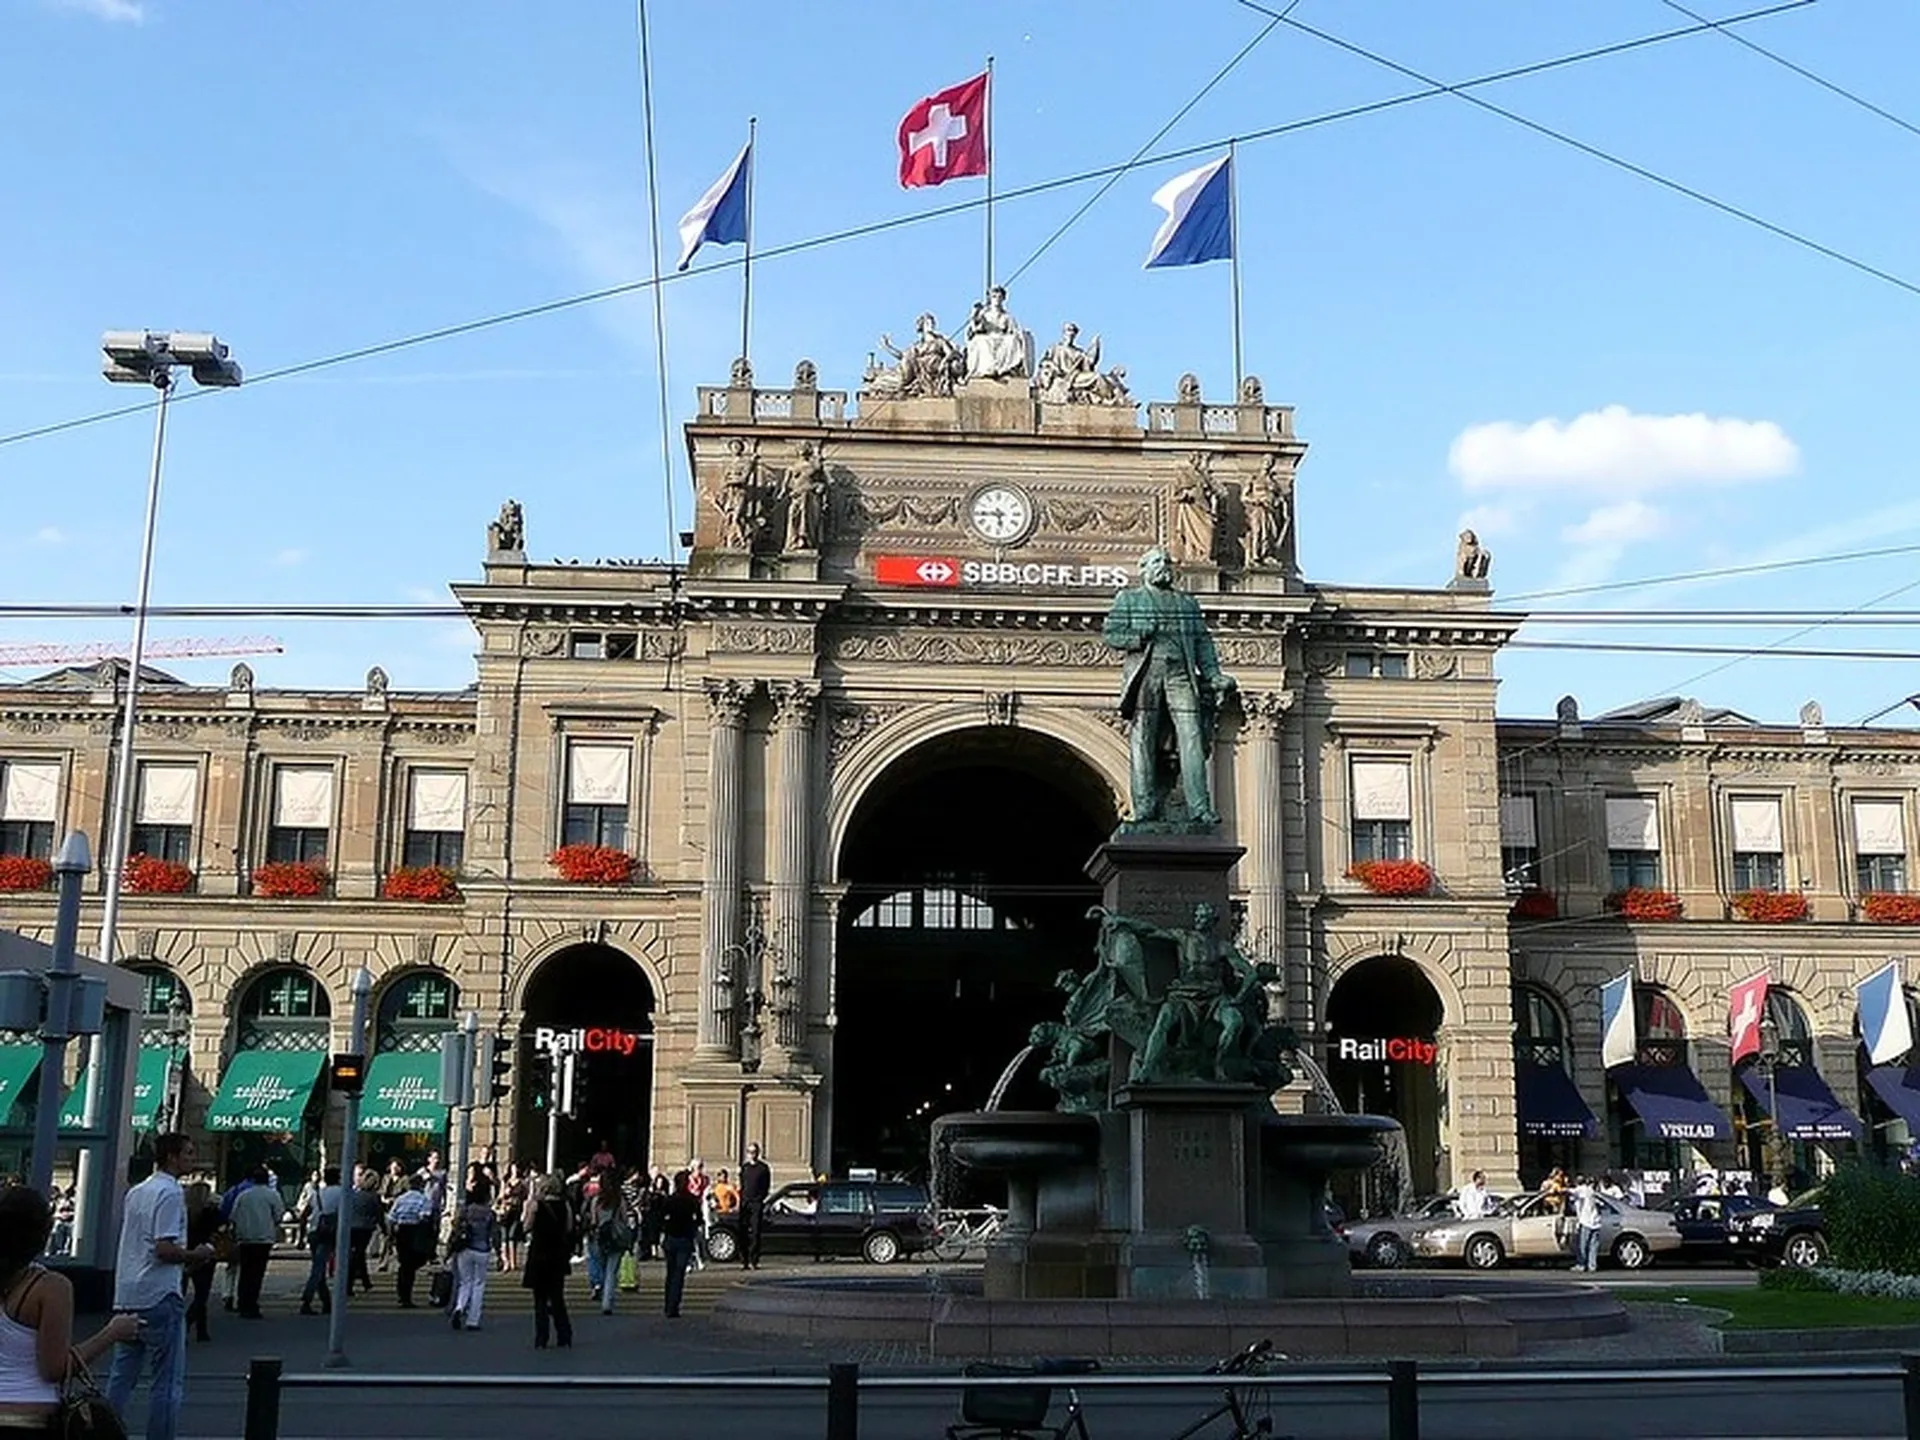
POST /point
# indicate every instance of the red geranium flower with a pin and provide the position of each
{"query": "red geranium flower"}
(290, 880)
(1393, 877)
(1887, 907)
(592, 864)
(1770, 907)
(1644, 903)
(428, 883)
(24, 872)
(146, 875)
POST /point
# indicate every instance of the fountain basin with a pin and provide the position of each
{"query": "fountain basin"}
(1013, 1141)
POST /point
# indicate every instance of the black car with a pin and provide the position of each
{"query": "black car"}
(1789, 1235)
(881, 1220)
(1705, 1221)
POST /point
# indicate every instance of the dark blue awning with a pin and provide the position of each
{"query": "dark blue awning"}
(1550, 1103)
(1672, 1102)
(1900, 1088)
(1800, 1102)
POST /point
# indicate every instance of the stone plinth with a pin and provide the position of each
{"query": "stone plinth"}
(1160, 878)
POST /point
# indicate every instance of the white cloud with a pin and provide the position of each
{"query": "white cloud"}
(289, 558)
(49, 536)
(1617, 450)
(1622, 524)
(119, 11)
(1490, 522)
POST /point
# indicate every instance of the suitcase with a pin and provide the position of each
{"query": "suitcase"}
(440, 1288)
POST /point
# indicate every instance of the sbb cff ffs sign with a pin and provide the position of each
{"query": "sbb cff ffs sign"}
(592, 1040)
(1395, 1049)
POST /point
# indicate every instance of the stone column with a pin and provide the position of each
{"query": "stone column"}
(1264, 830)
(720, 900)
(794, 702)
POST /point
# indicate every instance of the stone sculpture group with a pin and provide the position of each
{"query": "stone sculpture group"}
(750, 509)
(994, 347)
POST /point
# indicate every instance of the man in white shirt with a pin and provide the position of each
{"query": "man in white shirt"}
(1473, 1202)
(146, 1282)
(323, 1225)
(413, 1235)
(256, 1225)
(1586, 1226)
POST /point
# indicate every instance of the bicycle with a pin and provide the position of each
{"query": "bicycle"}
(957, 1233)
(1019, 1412)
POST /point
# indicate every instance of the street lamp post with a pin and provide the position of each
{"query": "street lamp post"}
(176, 1042)
(1769, 1060)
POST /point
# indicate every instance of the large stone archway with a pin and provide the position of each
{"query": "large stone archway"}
(964, 894)
(596, 1003)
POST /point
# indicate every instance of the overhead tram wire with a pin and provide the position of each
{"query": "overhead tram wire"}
(1618, 162)
(1738, 652)
(1802, 71)
(1723, 572)
(653, 284)
(957, 207)
(1777, 646)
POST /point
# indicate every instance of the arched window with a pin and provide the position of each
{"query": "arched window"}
(285, 1009)
(415, 1011)
(1787, 1023)
(164, 1003)
(1662, 1028)
(1539, 1033)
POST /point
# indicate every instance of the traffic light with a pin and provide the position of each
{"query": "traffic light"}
(540, 1081)
(573, 1083)
(500, 1066)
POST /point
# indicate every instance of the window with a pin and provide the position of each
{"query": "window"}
(1372, 665)
(29, 806)
(436, 818)
(284, 995)
(163, 823)
(623, 646)
(975, 913)
(1758, 863)
(584, 645)
(302, 813)
(1662, 1038)
(1393, 667)
(1633, 842)
(1880, 845)
(1539, 1037)
(846, 1200)
(892, 912)
(1382, 810)
(1519, 843)
(940, 909)
(599, 783)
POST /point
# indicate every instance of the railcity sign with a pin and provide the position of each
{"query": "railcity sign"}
(1399, 1049)
(592, 1040)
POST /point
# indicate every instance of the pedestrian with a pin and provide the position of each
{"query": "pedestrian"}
(256, 1225)
(393, 1184)
(1553, 1192)
(323, 1230)
(679, 1230)
(602, 1157)
(147, 1273)
(37, 1347)
(724, 1197)
(471, 1251)
(204, 1227)
(435, 1174)
(61, 1241)
(509, 1209)
(1586, 1226)
(756, 1181)
(658, 1187)
(698, 1184)
(549, 1224)
(612, 1236)
(365, 1215)
(1473, 1202)
(411, 1220)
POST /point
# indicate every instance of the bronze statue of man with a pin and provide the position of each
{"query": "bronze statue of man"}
(1172, 680)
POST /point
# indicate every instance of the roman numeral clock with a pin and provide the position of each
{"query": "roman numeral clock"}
(1001, 514)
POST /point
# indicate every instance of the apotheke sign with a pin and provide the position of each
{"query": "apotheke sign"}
(1396, 1049)
(593, 1040)
(947, 572)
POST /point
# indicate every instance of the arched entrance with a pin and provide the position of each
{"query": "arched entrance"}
(415, 1010)
(284, 1012)
(967, 895)
(1382, 1056)
(593, 1003)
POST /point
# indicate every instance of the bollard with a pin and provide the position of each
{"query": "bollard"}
(263, 1400)
(843, 1402)
(1910, 1390)
(1403, 1400)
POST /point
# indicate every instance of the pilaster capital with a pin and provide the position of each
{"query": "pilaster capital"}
(727, 701)
(1265, 711)
(794, 702)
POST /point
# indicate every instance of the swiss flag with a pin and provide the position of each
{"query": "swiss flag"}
(1745, 1005)
(945, 135)
(934, 572)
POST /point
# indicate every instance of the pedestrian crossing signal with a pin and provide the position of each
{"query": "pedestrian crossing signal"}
(347, 1073)
(501, 1066)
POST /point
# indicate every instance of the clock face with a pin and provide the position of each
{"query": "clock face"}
(1001, 514)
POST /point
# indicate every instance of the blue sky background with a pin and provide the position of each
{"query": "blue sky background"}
(306, 180)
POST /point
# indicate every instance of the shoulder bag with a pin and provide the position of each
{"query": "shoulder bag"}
(84, 1413)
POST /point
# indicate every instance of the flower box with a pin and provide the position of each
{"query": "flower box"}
(1393, 877)
(1889, 907)
(430, 884)
(1770, 907)
(24, 872)
(592, 864)
(1535, 904)
(290, 880)
(147, 875)
(1642, 903)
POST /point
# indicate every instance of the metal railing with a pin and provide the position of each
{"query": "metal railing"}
(842, 1385)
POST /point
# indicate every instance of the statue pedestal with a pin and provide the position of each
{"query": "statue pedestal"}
(798, 565)
(1159, 878)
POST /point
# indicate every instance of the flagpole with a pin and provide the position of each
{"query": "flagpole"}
(1233, 258)
(989, 126)
(746, 264)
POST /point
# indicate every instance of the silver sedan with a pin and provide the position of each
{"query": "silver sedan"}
(1386, 1241)
(1532, 1227)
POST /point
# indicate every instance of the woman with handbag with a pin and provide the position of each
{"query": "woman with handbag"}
(204, 1227)
(43, 1371)
(471, 1251)
(550, 1237)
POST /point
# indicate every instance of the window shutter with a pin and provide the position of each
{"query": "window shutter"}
(32, 791)
(438, 801)
(303, 797)
(1517, 827)
(1382, 790)
(1756, 827)
(1879, 827)
(167, 794)
(1633, 822)
(599, 774)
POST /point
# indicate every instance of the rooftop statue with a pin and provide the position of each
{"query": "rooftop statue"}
(1196, 510)
(806, 500)
(1171, 690)
(1069, 375)
(1264, 503)
(508, 533)
(1471, 561)
(929, 366)
(997, 348)
(737, 498)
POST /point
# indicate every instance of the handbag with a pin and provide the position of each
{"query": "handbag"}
(440, 1287)
(84, 1413)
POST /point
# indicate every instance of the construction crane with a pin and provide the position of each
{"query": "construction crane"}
(13, 655)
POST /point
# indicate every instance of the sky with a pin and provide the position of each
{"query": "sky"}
(1477, 323)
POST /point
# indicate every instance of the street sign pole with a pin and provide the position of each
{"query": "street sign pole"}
(349, 1162)
(457, 1182)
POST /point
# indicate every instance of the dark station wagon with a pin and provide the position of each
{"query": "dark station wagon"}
(878, 1219)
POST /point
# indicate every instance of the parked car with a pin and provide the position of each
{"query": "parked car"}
(880, 1220)
(1386, 1242)
(1704, 1223)
(1792, 1234)
(1532, 1227)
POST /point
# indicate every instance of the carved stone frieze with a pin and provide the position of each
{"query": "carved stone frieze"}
(1001, 706)
(1434, 665)
(1324, 663)
(662, 644)
(924, 647)
(1139, 517)
(1248, 650)
(744, 638)
(848, 723)
(727, 701)
(541, 641)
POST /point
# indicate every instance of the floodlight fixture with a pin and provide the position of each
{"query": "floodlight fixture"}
(149, 357)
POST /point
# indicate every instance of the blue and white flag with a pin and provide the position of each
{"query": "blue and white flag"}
(1199, 223)
(1885, 1028)
(1618, 1040)
(720, 215)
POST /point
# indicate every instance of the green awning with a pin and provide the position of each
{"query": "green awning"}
(17, 1064)
(403, 1093)
(149, 1091)
(265, 1090)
